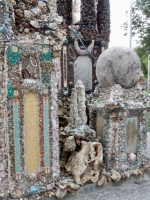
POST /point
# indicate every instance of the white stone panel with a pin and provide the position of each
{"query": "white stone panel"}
(83, 71)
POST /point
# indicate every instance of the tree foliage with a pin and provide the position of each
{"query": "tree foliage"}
(141, 28)
(141, 22)
(144, 59)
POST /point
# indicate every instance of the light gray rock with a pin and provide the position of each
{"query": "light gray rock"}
(35, 23)
(70, 144)
(115, 175)
(118, 65)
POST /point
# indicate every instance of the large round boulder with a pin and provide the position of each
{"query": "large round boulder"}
(118, 65)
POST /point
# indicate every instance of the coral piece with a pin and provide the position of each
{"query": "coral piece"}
(83, 165)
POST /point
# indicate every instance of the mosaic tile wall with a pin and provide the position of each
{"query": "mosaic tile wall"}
(114, 135)
(33, 139)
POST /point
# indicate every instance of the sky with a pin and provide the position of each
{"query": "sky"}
(118, 13)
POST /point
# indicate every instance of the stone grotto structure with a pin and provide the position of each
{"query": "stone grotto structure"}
(59, 128)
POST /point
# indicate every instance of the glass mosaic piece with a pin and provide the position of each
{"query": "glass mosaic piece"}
(10, 90)
(46, 54)
(31, 128)
(46, 79)
(16, 137)
(131, 134)
(13, 55)
(46, 135)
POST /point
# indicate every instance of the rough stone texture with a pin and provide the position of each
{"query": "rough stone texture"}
(70, 144)
(83, 165)
(115, 175)
(135, 188)
(77, 106)
(102, 181)
(118, 65)
(3, 125)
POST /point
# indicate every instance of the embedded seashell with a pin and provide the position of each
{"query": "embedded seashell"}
(25, 74)
(132, 157)
(33, 61)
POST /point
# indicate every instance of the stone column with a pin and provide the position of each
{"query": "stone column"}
(81, 103)
(73, 120)
(3, 124)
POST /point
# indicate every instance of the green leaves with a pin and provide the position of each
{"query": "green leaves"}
(143, 55)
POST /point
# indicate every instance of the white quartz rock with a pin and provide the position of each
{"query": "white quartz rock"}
(52, 26)
(35, 23)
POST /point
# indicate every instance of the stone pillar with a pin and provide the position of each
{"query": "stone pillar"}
(55, 75)
(3, 124)
(73, 120)
(103, 19)
(52, 4)
(81, 103)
